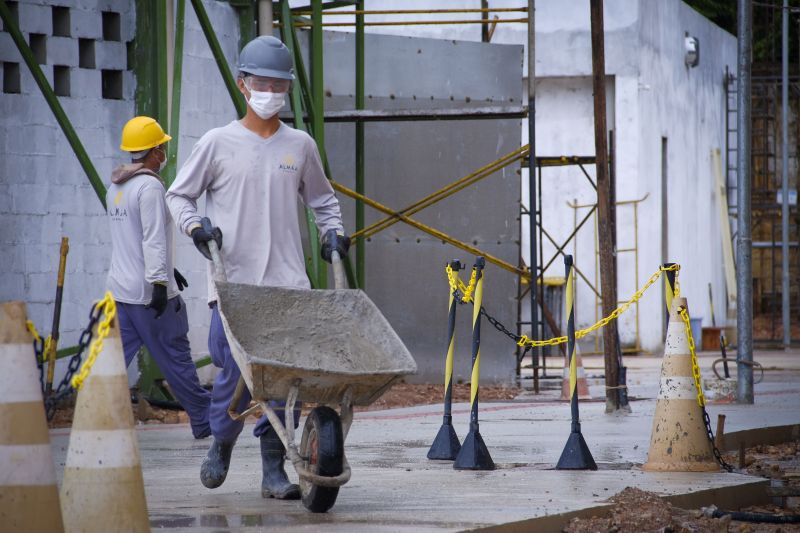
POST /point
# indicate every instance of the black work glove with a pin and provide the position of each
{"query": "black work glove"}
(203, 234)
(158, 302)
(333, 241)
(180, 280)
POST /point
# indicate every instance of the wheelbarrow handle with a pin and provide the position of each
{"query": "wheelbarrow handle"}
(339, 278)
(216, 258)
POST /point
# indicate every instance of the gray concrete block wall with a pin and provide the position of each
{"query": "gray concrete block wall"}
(45, 192)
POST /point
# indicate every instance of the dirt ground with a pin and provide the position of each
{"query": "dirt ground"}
(638, 511)
(401, 395)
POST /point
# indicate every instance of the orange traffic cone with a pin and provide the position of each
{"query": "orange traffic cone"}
(28, 490)
(583, 386)
(679, 442)
(103, 489)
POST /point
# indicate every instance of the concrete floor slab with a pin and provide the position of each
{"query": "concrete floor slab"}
(395, 488)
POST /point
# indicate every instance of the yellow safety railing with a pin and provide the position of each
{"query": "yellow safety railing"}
(466, 290)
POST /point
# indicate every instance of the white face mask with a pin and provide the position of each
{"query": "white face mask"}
(266, 104)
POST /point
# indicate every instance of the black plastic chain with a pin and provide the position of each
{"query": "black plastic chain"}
(492, 320)
(65, 388)
(38, 348)
(717, 453)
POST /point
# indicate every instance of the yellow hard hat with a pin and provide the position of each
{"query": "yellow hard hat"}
(142, 133)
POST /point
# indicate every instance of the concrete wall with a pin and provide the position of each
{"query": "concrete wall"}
(44, 193)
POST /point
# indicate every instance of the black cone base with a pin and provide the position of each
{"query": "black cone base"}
(446, 445)
(473, 455)
(576, 454)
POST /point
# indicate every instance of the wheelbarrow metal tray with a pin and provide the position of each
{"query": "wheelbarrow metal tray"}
(328, 340)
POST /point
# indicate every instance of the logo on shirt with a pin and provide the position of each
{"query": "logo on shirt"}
(115, 212)
(288, 163)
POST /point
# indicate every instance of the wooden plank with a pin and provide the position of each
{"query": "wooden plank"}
(725, 230)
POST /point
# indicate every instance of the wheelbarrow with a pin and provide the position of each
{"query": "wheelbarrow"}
(327, 347)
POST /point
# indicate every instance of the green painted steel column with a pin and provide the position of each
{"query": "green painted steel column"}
(162, 108)
(55, 106)
(175, 116)
(296, 101)
(361, 244)
(219, 57)
(318, 99)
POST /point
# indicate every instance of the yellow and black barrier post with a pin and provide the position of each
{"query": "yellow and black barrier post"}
(670, 285)
(51, 345)
(446, 444)
(473, 454)
(576, 454)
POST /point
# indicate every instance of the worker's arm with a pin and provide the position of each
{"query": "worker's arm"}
(193, 179)
(317, 193)
(153, 211)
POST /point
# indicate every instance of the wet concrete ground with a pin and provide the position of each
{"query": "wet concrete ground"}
(395, 488)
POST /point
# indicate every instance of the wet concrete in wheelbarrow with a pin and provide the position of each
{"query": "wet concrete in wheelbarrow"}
(395, 488)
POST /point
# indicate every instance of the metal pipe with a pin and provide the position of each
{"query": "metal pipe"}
(744, 257)
(52, 100)
(175, 90)
(296, 101)
(265, 17)
(219, 57)
(361, 11)
(787, 328)
(318, 99)
(359, 104)
(431, 231)
(605, 206)
(533, 262)
(417, 22)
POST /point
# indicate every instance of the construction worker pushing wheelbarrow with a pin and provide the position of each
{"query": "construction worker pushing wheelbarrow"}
(269, 330)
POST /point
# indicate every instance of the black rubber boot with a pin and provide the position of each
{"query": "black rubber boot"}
(275, 483)
(215, 466)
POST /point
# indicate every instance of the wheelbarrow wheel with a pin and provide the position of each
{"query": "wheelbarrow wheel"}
(322, 448)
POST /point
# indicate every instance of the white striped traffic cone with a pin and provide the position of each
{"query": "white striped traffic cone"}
(28, 490)
(679, 442)
(103, 489)
(583, 386)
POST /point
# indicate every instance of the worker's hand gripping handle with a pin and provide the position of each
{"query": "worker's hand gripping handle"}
(339, 278)
(219, 267)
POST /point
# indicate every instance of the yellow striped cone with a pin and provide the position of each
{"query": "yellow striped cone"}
(28, 490)
(679, 442)
(103, 489)
(583, 385)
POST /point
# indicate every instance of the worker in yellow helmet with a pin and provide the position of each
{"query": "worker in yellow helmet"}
(142, 278)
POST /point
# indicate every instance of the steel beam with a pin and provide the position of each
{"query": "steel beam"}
(219, 57)
(175, 109)
(360, 115)
(52, 101)
(360, 140)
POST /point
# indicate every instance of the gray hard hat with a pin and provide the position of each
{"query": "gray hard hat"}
(266, 56)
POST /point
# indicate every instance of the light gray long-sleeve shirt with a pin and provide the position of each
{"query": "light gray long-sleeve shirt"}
(252, 185)
(141, 236)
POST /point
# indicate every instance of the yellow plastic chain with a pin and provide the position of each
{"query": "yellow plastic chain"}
(701, 400)
(32, 328)
(109, 310)
(525, 341)
(457, 285)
